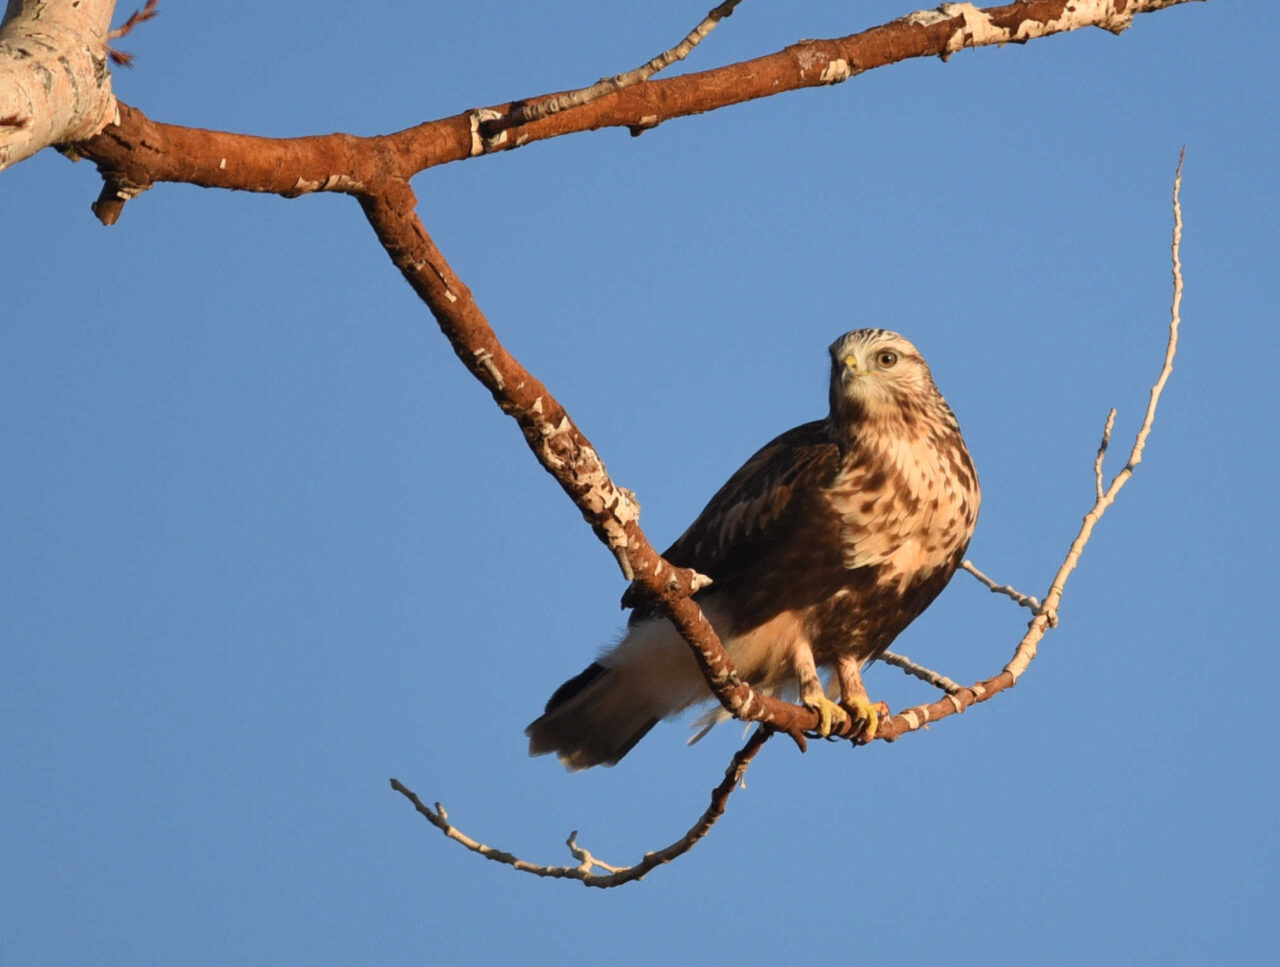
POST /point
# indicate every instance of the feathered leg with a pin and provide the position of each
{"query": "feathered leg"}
(854, 698)
(830, 715)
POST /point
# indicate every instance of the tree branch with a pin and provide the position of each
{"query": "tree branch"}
(566, 453)
(138, 152)
(135, 153)
(1010, 592)
(936, 679)
(54, 81)
(585, 871)
(537, 110)
(1046, 616)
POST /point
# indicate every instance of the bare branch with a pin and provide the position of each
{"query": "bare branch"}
(936, 679)
(136, 152)
(1025, 600)
(585, 871)
(1027, 647)
(1102, 451)
(536, 110)
(1046, 616)
(139, 152)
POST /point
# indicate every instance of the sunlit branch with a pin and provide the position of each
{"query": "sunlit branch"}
(1046, 616)
(496, 123)
(591, 871)
(936, 679)
(1025, 600)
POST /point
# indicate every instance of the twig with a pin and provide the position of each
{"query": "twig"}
(935, 679)
(1023, 599)
(1027, 647)
(123, 58)
(536, 110)
(1046, 616)
(1102, 451)
(584, 872)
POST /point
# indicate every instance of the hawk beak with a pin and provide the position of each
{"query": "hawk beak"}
(851, 367)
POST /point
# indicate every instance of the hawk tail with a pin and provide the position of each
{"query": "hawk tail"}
(593, 719)
(596, 717)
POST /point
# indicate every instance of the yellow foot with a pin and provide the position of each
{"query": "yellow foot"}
(863, 710)
(830, 715)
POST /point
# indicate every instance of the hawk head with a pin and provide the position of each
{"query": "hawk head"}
(878, 376)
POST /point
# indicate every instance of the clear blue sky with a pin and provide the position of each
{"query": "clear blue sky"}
(266, 544)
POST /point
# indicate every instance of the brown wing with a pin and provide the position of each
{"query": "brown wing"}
(755, 508)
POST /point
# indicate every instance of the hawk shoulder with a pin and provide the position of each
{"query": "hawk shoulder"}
(760, 505)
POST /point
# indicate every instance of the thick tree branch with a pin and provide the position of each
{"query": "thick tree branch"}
(566, 453)
(138, 152)
(54, 81)
(135, 153)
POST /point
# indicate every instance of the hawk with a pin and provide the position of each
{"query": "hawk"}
(821, 549)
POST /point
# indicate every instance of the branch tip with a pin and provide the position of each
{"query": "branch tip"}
(587, 863)
(123, 58)
(493, 129)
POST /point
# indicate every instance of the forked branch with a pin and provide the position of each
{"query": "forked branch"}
(135, 153)
(537, 110)
(957, 699)
(1046, 615)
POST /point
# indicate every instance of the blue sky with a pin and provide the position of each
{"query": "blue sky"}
(267, 544)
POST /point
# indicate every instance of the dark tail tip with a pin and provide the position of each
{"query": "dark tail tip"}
(590, 720)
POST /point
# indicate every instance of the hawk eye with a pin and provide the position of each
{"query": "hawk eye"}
(886, 359)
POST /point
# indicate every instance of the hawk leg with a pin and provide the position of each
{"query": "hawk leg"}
(854, 698)
(812, 695)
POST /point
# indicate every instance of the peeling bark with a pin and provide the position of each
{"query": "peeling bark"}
(144, 151)
(55, 86)
(135, 152)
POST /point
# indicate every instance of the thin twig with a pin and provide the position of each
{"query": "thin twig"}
(584, 872)
(1102, 451)
(1046, 616)
(1026, 650)
(121, 57)
(1023, 599)
(536, 110)
(936, 679)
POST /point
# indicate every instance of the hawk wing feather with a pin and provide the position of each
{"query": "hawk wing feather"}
(758, 506)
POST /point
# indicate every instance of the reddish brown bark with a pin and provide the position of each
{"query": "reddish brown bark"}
(562, 449)
(138, 152)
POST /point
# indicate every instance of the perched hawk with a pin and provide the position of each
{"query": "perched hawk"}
(822, 548)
